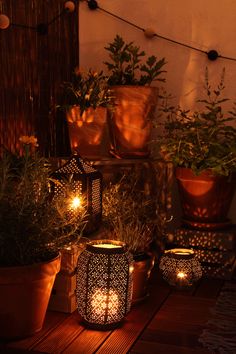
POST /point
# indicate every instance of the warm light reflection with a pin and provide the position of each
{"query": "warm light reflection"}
(104, 301)
(181, 251)
(107, 245)
(131, 268)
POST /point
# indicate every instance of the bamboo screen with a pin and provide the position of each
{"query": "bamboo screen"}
(32, 68)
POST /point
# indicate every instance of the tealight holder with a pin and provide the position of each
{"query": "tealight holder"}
(180, 267)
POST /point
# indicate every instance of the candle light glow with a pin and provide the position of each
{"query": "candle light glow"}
(106, 245)
(104, 301)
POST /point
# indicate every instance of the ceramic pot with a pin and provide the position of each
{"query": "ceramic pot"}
(205, 198)
(88, 134)
(143, 265)
(130, 120)
(25, 293)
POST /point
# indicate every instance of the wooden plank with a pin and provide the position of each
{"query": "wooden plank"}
(4, 350)
(123, 338)
(52, 320)
(176, 327)
(182, 309)
(209, 288)
(59, 338)
(144, 347)
(87, 342)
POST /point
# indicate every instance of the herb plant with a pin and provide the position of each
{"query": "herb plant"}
(204, 139)
(33, 226)
(86, 90)
(127, 66)
(129, 213)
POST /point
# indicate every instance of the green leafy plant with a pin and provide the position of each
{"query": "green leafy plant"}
(86, 90)
(129, 213)
(33, 226)
(204, 139)
(127, 67)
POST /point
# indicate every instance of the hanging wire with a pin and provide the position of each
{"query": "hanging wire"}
(211, 54)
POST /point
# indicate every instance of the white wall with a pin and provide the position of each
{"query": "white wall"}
(203, 24)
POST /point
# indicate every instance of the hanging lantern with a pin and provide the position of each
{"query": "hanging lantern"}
(81, 185)
(104, 284)
(180, 267)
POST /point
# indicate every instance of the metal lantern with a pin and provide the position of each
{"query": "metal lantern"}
(104, 283)
(180, 267)
(85, 184)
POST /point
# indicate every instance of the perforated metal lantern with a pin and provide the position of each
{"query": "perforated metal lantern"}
(180, 267)
(104, 283)
(85, 183)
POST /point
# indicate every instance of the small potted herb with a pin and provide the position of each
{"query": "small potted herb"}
(33, 229)
(129, 216)
(131, 74)
(86, 99)
(202, 147)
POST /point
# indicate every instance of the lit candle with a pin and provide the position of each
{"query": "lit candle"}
(76, 203)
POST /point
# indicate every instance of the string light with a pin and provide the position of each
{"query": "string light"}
(150, 33)
(40, 28)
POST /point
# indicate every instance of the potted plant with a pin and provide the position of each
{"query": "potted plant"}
(33, 228)
(202, 147)
(129, 216)
(130, 77)
(85, 100)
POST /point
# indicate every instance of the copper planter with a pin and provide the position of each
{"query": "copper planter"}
(141, 275)
(88, 133)
(130, 121)
(25, 293)
(205, 198)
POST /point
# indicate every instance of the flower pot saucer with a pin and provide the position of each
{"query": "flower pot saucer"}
(207, 225)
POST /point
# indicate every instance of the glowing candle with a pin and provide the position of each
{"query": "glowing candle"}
(76, 203)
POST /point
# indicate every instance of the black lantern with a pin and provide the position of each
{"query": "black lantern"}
(104, 284)
(85, 187)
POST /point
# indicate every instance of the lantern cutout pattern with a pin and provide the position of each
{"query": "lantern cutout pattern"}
(180, 267)
(85, 186)
(104, 284)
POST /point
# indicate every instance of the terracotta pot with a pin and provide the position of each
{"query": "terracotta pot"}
(130, 122)
(141, 275)
(205, 198)
(88, 134)
(25, 293)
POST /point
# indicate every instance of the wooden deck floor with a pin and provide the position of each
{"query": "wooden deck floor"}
(168, 322)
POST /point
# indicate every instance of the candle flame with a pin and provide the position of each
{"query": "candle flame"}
(181, 275)
(76, 203)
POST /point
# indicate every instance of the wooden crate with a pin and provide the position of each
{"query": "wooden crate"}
(69, 258)
(65, 283)
(62, 302)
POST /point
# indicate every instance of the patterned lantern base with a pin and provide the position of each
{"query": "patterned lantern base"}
(104, 284)
(180, 267)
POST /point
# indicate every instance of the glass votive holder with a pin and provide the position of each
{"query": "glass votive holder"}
(180, 267)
